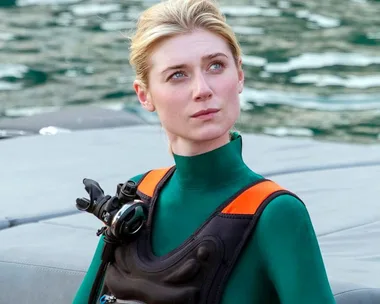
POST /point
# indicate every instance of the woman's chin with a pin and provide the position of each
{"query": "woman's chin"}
(210, 134)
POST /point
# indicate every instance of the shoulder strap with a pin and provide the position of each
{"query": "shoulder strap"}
(149, 182)
(249, 201)
(243, 213)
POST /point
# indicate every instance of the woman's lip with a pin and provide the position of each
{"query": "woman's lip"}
(205, 112)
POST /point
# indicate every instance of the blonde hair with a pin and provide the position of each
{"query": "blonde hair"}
(172, 17)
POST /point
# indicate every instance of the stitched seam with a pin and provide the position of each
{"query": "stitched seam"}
(354, 290)
(43, 267)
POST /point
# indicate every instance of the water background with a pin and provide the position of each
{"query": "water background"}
(312, 67)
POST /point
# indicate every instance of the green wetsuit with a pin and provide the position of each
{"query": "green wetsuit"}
(282, 262)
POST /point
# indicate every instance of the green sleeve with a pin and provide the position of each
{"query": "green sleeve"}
(291, 253)
(84, 290)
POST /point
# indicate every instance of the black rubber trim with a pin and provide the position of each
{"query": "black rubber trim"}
(196, 232)
(244, 240)
(156, 191)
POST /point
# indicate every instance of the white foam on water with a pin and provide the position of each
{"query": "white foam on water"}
(324, 21)
(12, 70)
(82, 10)
(8, 86)
(44, 2)
(320, 60)
(337, 102)
(283, 4)
(288, 131)
(318, 80)
(254, 61)
(247, 30)
(6, 36)
(246, 11)
(244, 104)
(373, 35)
(320, 20)
(71, 73)
(303, 14)
(351, 81)
(360, 1)
(117, 25)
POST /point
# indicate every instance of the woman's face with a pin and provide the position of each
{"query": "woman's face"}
(194, 86)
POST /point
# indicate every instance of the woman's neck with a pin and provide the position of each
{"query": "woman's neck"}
(212, 169)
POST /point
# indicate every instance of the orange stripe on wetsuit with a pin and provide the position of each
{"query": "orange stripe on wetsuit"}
(151, 180)
(246, 203)
(250, 200)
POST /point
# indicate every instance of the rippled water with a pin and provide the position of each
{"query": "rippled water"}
(312, 67)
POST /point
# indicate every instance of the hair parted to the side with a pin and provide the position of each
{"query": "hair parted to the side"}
(172, 17)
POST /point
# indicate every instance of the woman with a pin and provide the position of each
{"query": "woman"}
(189, 69)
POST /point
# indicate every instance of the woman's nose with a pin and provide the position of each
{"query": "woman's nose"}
(202, 90)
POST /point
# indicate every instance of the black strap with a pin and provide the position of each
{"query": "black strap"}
(110, 243)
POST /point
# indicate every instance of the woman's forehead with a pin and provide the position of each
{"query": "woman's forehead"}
(189, 47)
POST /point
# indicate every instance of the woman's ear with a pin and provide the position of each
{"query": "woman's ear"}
(240, 75)
(143, 96)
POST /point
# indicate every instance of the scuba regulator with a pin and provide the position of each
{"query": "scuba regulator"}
(123, 215)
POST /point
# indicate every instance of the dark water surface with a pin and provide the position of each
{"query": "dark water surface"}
(312, 67)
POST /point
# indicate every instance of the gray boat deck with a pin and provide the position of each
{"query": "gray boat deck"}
(46, 245)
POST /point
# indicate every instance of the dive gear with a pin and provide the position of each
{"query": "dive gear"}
(123, 215)
(196, 271)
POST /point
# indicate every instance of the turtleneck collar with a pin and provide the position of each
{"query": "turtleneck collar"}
(212, 169)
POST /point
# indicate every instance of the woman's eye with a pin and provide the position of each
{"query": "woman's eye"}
(216, 66)
(177, 75)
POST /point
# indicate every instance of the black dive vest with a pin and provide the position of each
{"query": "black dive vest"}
(197, 271)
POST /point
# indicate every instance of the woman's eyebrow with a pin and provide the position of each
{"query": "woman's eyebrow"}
(211, 56)
(174, 67)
